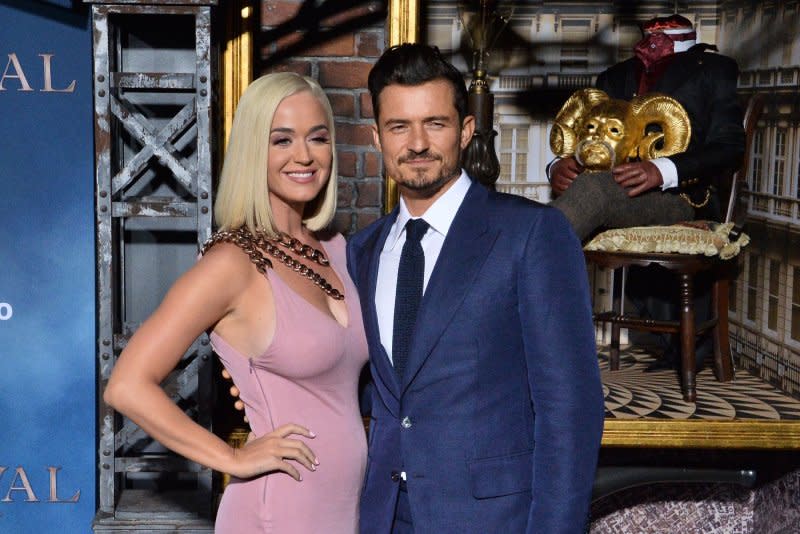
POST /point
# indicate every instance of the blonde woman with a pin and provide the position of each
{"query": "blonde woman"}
(284, 318)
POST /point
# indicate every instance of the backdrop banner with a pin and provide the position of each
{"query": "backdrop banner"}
(47, 318)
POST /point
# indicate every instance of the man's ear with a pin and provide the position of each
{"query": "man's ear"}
(376, 137)
(467, 129)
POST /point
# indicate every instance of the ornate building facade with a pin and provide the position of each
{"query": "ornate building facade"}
(765, 301)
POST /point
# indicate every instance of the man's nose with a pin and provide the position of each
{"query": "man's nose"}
(418, 139)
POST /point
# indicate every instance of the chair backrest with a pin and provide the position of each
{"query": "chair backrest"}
(736, 209)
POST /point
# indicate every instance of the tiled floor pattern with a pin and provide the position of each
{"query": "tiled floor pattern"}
(630, 393)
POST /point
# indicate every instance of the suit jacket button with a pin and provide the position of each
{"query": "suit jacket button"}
(395, 476)
(406, 422)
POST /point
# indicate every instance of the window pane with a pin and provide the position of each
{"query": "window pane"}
(756, 176)
(758, 142)
(752, 287)
(780, 142)
(796, 323)
(772, 318)
(521, 174)
(777, 179)
(506, 137)
(772, 302)
(796, 286)
(505, 165)
(751, 304)
(522, 139)
(796, 304)
(774, 276)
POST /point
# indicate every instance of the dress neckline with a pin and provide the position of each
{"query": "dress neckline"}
(325, 313)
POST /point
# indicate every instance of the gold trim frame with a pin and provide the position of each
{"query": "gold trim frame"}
(237, 73)
(237, 59)
(701, 434)
(403, 27)
(403, 21)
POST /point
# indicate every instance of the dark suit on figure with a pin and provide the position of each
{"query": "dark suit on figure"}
(498, 419)
(704, 83)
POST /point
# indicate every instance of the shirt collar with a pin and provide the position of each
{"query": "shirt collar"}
(683, 46)
(439, 215)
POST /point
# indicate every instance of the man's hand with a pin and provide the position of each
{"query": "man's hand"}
(638, 177)
(562, 173)
(234, 391)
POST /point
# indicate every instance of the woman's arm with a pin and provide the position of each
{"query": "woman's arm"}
(208, 293)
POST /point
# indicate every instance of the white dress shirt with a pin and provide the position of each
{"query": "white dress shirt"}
(439, 216)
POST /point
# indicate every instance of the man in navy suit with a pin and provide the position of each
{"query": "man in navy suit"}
(486, 402)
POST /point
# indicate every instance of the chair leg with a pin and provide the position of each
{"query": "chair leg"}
(617, 299)
(688, 339)
(723, 363)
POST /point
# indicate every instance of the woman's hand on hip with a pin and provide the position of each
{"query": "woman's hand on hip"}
(275, 452)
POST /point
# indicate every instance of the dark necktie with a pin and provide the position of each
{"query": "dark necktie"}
(409, 292)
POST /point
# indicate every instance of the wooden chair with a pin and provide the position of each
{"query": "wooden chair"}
(686, 267)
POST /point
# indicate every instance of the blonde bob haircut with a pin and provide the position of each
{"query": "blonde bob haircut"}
(243, 193)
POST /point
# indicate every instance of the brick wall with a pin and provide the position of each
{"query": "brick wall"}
(336, 45)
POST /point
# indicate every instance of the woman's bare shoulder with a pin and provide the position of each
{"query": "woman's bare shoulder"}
(224, 264)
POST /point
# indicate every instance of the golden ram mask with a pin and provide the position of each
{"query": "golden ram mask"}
(602, 132)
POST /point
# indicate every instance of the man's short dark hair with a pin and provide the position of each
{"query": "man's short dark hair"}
(415, 64)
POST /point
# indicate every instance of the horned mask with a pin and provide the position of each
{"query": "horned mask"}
(602, 132)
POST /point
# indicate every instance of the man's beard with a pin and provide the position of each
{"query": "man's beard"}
(427, 187)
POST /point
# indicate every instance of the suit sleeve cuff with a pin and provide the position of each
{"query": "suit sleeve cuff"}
(549, 166)
(669, 173)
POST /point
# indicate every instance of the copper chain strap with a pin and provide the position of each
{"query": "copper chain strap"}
(255, 246)
(301, 249)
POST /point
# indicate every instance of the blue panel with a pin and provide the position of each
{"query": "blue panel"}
(47, 318)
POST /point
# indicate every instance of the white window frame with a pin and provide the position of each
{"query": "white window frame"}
(777, 182)
(755, 155)
(749, 258)
(516, 122)
(790, 342)
(580, 41)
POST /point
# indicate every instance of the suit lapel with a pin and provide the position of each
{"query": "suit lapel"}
(465, 249)
(368, 280)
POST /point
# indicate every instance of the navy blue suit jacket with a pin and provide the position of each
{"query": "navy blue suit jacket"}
(502, 390)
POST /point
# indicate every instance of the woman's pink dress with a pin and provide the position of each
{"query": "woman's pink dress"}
(309, 376)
